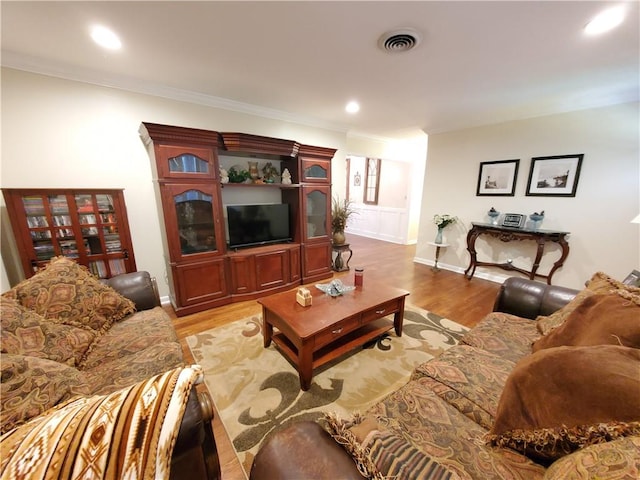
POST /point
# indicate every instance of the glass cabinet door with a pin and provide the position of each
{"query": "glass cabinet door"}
(100, 234)
(187, 162)
(194, 208)
(317, 212)
(316, 171)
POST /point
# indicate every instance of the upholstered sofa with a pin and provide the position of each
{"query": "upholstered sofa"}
(93, 382)
(545, 387)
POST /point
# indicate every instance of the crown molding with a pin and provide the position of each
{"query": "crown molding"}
(58, 70)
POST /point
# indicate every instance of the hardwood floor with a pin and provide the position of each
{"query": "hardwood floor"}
(445, 293)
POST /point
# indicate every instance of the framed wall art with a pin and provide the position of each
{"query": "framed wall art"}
(555, 176)
(497, 178)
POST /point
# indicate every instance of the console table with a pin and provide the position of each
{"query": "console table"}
(508, 234)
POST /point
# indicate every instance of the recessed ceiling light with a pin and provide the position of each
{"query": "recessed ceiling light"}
(605, 21)
(352, 107)
(105, 38)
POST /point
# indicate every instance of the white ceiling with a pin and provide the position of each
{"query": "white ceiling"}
(478, 63)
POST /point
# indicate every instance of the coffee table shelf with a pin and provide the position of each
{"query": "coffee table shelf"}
(340, 346)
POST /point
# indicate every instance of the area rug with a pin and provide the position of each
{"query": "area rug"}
(257, 391)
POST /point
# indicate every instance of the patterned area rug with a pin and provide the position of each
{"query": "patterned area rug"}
(257, 391)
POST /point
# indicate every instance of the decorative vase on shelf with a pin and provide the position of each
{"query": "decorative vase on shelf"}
(253, 171)
(338, 238)
(439, 235)
(536, 218)
(493, 215)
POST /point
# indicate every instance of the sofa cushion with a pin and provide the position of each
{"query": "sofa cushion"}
(615, 460)
(470, 379)
(24, 332)
(550, 405)
(66, 292)
(601, 319)
(416, 413)
(32, 385)
(128, 434)
(503, 334)
(131, 335)
(382, 454)
(132, 368)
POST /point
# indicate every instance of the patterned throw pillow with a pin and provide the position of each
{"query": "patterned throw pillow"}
(129, 433)
(31, 386)
(67, 293)
(24, 332)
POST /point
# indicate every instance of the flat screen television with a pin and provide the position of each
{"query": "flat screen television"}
(250, 225)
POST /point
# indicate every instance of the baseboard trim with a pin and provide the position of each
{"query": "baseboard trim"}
(492, 277)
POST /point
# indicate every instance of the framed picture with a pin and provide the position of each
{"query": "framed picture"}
(554, 176)
(497, 178)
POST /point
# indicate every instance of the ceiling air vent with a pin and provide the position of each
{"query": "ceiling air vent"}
(400, 40)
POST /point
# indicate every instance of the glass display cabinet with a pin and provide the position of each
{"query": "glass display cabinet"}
(90, 226)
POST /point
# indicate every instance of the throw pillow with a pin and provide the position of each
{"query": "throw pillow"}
(32, 385)
(601, 319)
(24, 332)
(548, 323)
(129, 433)
(66, 292)
(560, 399)
(600, 282)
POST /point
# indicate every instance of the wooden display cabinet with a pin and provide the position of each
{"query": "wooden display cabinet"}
(89, 226)
(206, 273)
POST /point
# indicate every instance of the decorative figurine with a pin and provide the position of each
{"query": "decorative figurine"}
(286, 177)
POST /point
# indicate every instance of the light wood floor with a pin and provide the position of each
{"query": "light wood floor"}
(445, 293)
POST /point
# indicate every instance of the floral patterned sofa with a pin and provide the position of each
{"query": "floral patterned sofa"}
(100, 375)
(545, 387)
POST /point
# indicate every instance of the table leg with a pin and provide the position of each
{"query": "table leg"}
(305, 366)
(398, 318)
(267, 328)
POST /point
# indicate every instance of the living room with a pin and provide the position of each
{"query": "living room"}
(76, 128)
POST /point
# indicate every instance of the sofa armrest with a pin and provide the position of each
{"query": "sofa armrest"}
(139, 287)
(303, 450)
(195, 455)
(528, 298)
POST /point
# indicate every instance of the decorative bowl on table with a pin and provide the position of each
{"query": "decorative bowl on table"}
(334, 288)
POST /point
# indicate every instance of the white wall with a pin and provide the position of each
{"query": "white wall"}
(396, 216)
(598, 217)
(58, 133)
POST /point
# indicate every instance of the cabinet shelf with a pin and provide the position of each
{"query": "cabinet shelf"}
(261, 185)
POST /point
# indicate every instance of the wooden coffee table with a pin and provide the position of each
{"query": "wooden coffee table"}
(312, 336)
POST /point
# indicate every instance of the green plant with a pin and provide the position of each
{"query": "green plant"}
(340, 213)
(237, 177)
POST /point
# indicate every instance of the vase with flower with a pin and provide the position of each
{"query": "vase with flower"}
(441, 222)
(340, 213)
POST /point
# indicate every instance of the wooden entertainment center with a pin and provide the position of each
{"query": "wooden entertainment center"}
(203, 271)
